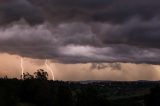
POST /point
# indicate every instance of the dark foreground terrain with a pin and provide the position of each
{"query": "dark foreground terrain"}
(38, 91)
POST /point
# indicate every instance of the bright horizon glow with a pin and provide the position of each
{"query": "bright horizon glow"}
(10, 65)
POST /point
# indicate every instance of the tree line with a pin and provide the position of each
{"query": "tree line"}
(37, 90)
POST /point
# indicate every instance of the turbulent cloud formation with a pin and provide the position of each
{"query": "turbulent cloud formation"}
(82, 31)
(100, 66)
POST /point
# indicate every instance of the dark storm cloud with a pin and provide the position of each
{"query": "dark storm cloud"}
(81, 31)
(135, 32)
(59, 43)
(116, 11)
(123, 10)
(14, 10)
(130, 22)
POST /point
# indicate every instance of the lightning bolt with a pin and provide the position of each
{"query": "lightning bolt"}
(50, 69)
(22, 68)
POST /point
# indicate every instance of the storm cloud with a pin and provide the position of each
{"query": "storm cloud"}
(15, 10)
(112, 11)
(82, 31)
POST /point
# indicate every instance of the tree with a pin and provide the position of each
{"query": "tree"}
(27, 76)
(41, 74)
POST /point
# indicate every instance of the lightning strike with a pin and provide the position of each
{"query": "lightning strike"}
(22, 69)
(50, 69)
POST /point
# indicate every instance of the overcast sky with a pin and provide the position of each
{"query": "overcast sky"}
(74, 32)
